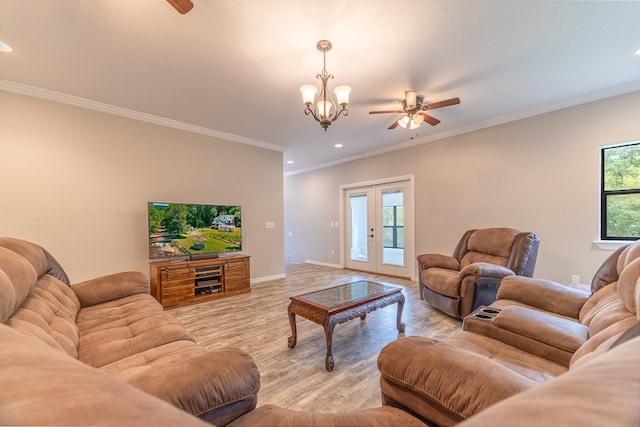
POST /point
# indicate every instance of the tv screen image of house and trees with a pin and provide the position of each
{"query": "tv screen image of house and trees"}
(177, 230)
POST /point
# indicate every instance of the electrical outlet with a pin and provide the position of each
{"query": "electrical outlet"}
(575, 279)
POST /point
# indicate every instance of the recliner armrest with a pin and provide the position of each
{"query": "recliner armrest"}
(486, 269)
(558, 332)
(437, 260)
(543, 294)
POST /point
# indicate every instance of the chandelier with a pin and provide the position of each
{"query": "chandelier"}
(323, 114)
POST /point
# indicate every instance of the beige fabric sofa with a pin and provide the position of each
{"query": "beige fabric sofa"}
(80, 354)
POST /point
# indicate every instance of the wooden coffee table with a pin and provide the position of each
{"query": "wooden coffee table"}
(331, 306)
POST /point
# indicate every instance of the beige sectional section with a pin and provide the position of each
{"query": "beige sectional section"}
(535, 332)
(113, 325)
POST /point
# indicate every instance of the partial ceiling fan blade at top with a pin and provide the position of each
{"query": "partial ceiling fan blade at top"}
(387, 112)
(394, 125)
(182, 6)
(429, 119)
(445, 103)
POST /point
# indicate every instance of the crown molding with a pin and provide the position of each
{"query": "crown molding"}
(554, 106)
(75, 101)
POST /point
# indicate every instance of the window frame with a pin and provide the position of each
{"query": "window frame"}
(604, 193)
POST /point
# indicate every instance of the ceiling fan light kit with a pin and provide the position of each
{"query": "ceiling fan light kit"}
(414, 111)
(325, 103)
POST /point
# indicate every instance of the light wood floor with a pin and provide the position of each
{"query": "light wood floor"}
(296, 378)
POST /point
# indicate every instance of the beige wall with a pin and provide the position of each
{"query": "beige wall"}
(77, 182)
(539, 174)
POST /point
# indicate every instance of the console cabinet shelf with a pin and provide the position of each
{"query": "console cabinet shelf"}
(176, 284)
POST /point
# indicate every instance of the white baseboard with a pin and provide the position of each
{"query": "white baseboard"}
(325, 264)
(268, 278)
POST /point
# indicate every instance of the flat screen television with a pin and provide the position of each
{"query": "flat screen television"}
(193, 230)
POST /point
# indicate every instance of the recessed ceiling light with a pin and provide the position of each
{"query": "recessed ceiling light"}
(290, 162)
(638, 52)
(338, 145)
(5, 47)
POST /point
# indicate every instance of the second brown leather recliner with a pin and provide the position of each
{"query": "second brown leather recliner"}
(458, 284)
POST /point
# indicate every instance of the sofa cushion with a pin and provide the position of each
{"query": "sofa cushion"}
(443, 281)
(41, 386)
(121, 328)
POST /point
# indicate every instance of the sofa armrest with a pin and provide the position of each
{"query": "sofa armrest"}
(111, 287)
(558, 332)
(543, 294)
(437, 260)
(442, 383)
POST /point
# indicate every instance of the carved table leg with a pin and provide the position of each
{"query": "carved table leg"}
(328, 329)
(293, 339)
(399, 323)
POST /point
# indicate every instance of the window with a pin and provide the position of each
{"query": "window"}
(620, 195)
(393, 219)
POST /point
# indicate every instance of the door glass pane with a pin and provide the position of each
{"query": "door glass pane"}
(358, 226)
(393, 227)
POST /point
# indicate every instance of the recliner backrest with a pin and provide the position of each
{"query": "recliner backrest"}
(34, 301)
(21, 264)
(612, 309)
(608, 271)
(492, 245)
(502, 246)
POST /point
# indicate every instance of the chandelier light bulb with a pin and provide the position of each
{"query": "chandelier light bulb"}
(308, 94)
(342, 94)
(324, 109)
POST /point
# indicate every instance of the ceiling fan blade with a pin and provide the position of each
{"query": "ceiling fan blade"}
(182, 6)
(387, 112)
(394, 125)
(445, 103)
(431, 120)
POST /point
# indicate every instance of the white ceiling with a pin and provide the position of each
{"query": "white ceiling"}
(233, 68)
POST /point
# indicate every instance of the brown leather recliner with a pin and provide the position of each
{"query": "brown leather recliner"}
(458, 284)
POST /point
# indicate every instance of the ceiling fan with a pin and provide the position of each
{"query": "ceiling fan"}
(414, 111)
(182, 6)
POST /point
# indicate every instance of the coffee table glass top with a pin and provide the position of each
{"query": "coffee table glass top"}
(337, 296)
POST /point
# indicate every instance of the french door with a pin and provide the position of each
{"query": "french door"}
(378, 232)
